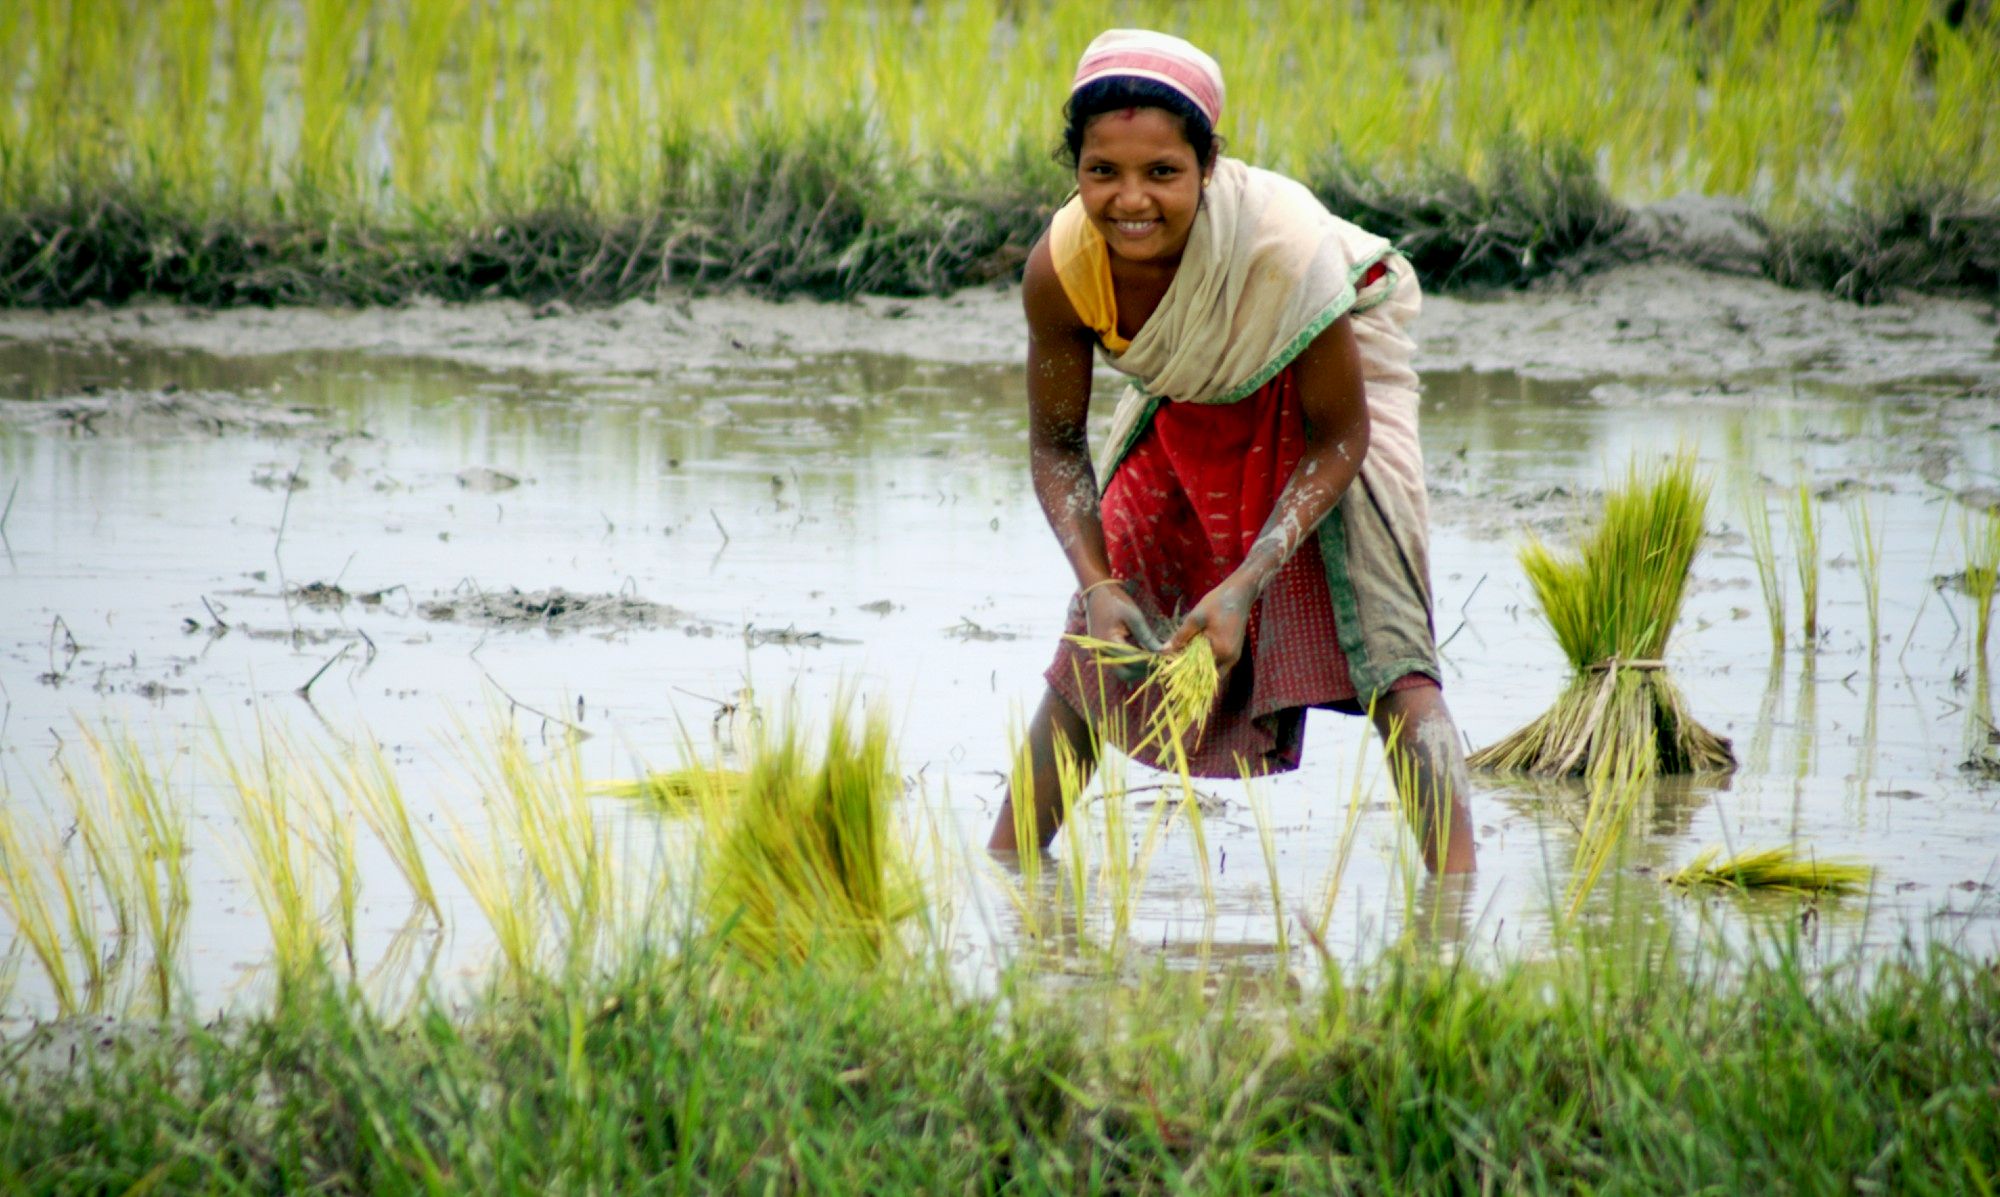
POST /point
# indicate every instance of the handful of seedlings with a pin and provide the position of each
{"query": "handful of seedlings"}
(1611, 608)
(1182, 686)
(1780, 870)
(675, 792)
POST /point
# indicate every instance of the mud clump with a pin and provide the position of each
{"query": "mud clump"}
(160, 413)
(555, 609)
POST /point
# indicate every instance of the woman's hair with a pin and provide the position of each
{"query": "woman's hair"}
(1115, 93)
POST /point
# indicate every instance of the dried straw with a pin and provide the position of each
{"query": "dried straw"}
(1611, 608)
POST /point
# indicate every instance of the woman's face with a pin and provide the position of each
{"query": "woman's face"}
(1140, 183)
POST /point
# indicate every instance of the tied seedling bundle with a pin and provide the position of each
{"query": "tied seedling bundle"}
(1612, 607)
(1776, 870)
(800, 858)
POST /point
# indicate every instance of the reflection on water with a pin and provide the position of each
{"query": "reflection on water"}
(868, 518)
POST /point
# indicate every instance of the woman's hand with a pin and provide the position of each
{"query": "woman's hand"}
(1223, 615)
(1110, 614)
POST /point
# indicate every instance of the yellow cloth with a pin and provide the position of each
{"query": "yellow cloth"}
(1083, 264)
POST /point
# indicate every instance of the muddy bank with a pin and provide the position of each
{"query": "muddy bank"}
(1647, 320)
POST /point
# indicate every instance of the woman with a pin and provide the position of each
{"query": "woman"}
(1262, 484)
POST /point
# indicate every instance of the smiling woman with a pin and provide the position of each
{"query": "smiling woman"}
(1262, 484)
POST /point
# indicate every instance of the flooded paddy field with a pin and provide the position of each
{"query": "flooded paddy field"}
(650, 522)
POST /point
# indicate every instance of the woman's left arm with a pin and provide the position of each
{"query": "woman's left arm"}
(1334, 400)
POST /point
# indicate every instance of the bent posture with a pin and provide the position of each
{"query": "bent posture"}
(1262, 484)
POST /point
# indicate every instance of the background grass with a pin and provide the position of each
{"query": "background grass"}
(261, 151)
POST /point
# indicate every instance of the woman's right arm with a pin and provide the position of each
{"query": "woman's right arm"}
(1059, 365)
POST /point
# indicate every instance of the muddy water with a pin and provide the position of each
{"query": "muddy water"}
(194, 537)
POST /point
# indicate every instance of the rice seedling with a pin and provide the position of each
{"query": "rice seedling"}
(1608, 808)
(371, 784)
(31, 864)
(279, 853)
(1260, 810)
(1175, 698)
(1776, 870)
(1868, 560)
(134, 832)
(1763, 550)
(1982, 573)
(1612, 608)
(1802, 519)
(806, 864)
(1343, 851)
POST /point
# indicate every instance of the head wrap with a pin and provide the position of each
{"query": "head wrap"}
(1161, 57)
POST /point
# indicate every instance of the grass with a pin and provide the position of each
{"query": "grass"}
(676, 792)
(1612, 607)
(247, 151)
(1776, 870)
(677, 1075)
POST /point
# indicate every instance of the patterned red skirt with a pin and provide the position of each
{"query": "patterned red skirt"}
(1182, 510)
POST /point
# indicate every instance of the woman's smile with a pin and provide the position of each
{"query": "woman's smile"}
(1140, 183)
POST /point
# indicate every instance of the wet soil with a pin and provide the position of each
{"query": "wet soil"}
(667, 517)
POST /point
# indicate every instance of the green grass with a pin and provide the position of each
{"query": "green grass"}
(247, 151)
(675, 1075)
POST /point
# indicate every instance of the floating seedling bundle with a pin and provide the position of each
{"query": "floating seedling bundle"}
(1612, 607)
(1775, 870)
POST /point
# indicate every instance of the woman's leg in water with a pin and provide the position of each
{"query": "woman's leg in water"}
(1053, 718)
(1429, 769)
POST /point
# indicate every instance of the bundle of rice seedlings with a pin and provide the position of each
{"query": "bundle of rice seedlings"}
(1182, 686)
(677, 792)
(1780, 870)
(1611, 608)
(804, 862)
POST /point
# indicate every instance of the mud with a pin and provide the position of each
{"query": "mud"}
(1650, 320)
(553, 610)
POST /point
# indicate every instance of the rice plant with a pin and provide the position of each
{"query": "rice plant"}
(1982, 573)
(1612, 607)
(280, 853)
(806, 863)
(135, 835)
(1802, 519)
(1868, 561)
(1763, 550)
(1613, 795)
(371, 784)
(370, 151)
(31, 867)
(1776, 870)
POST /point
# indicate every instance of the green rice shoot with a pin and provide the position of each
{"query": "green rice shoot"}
(1982, 573)
(1774, 870)
(1803, 519)
(1612, 607)
(1764, 551)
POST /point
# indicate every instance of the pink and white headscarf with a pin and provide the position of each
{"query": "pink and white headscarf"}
(1161, 57)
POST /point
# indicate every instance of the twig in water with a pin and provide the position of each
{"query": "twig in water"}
(9, 509)
(718, 525)
(305, 691)
(579, 732)
(1462, 620)
(221, 625)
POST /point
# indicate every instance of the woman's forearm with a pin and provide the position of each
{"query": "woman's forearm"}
(1066, 486)
(1328, 468)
